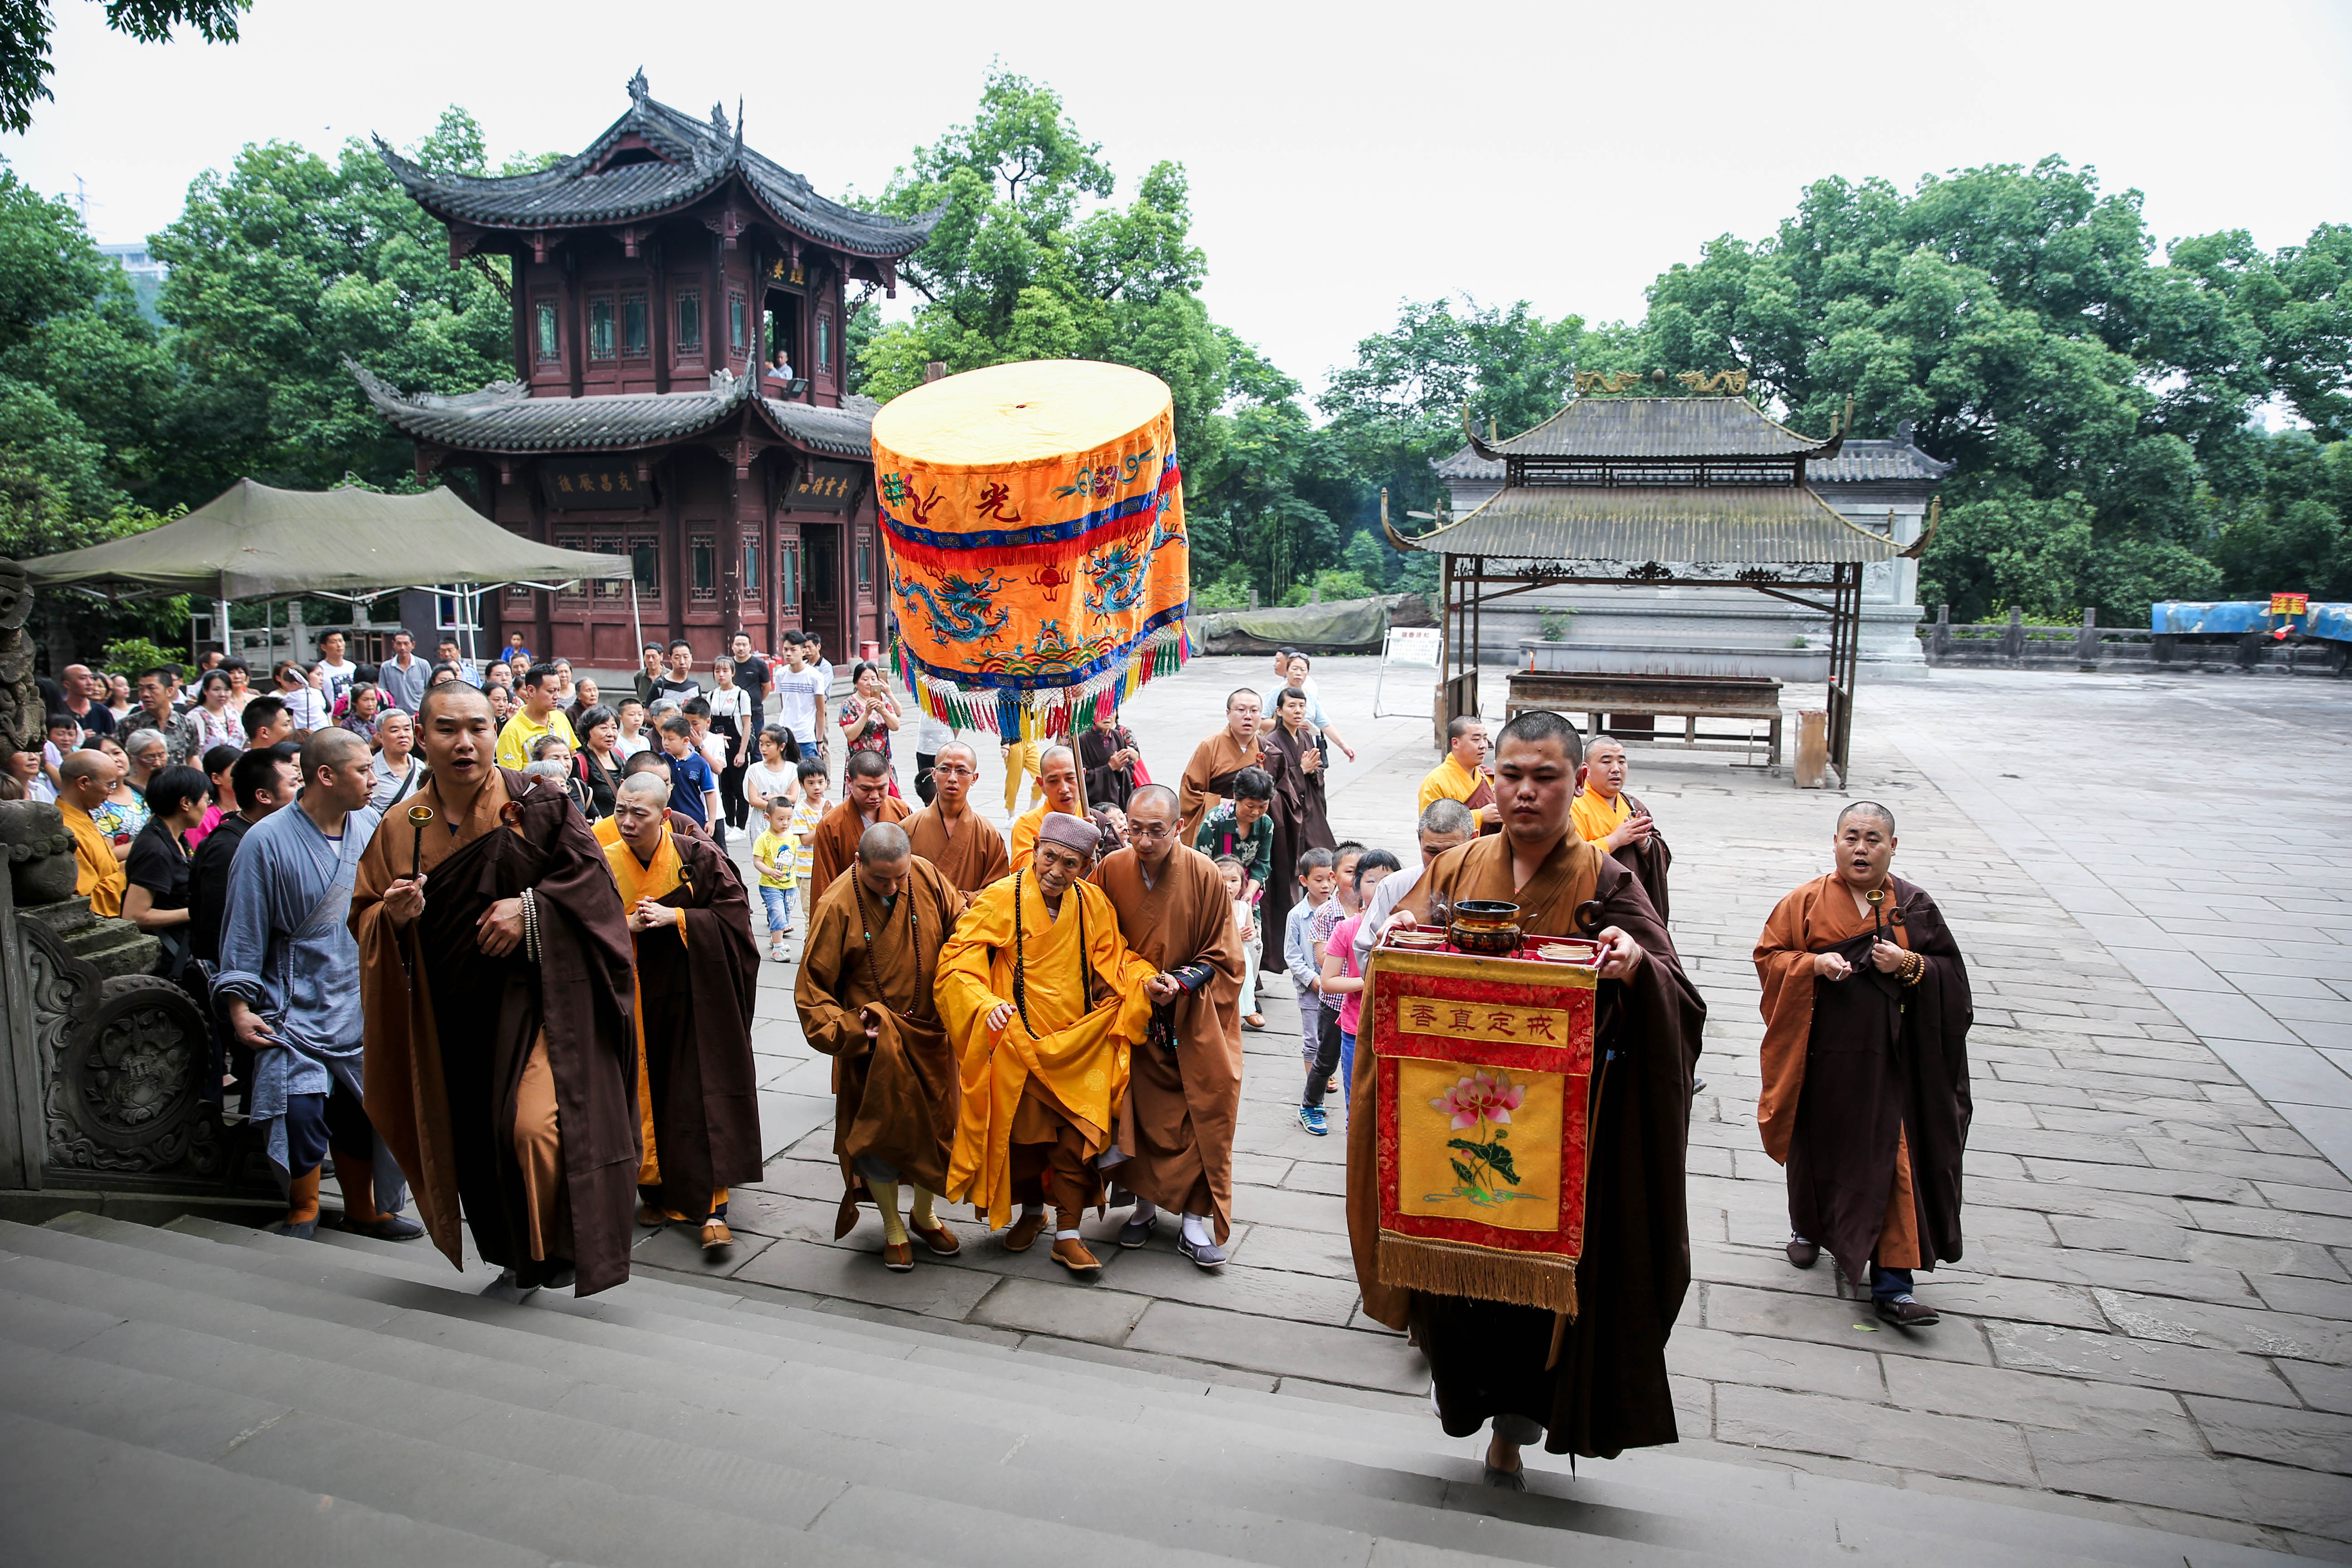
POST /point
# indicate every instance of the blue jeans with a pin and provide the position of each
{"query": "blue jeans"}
(780, 906)
(1887, 1284)
(1346, 1067)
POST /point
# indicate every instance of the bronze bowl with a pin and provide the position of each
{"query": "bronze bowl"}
(1489, 927)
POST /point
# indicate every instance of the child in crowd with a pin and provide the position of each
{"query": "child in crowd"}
(1316, 877)
(1344, 982)
(631, 716)
(693, 787)
(806, 816)
(1244, 896)
(1244, 829)
(711, 747)
(773, 856)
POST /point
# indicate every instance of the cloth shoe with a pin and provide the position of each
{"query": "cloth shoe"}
(385, 1227)
(938, 1239)
(506, 1288)
(1072, 1254)
(716, 1237)
(1196, 1239)
(1803, 1254)
(1024, 1232)
(301, 1229)
(1311, 1116)
(1136, 1232)
(898, 1257)
(649, 1216)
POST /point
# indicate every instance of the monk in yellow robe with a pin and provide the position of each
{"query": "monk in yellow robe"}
(866, 999)
(1463, 774)
(1043, 999)
(963, 845)
(1060, 772)
(1606, 815)
(1209, 776)
(1865, 1067)
(608, 830)
(1020, 761)
(84, 781)
(697, 976)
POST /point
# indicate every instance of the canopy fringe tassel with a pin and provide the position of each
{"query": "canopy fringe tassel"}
(1060, 713)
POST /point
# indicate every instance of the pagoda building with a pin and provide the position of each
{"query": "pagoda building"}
(657, 276)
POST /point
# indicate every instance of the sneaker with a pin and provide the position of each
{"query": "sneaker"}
(1311, 1116)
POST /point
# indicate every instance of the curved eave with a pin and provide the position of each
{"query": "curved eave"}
(1759, 526)
(1799, 445)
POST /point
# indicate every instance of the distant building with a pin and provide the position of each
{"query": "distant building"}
(146, 275)
(657, 275)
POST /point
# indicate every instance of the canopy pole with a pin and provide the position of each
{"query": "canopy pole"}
(636, 619)
(220, 609)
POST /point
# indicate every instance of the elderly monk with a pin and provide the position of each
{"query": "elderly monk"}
(961, 845)
(867, 999)
(1866, 1065)
(1041, 999)
(865, 799)
(1604, 813)
(1060, 771)
(495, 976)
(1595, 1385)
(1209, 776)
(84, 781)
(1463, 774)
(697, 976)
(1184, 1091)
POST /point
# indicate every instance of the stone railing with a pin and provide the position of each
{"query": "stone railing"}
(2014, 644)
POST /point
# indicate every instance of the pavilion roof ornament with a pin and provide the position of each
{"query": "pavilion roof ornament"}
(690, 160)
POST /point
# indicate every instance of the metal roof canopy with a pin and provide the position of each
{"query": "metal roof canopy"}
(1655, 492)
(253, 541)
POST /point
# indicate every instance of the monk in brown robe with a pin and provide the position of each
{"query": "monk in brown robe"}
(866, 999)
(1607, 813)
(1209, 776)
(1044, 1000)
(1184, 1090)
(962, 845)
(1866, 1064)
(697, 974)
(1595, 1384)
(865, 799)
(495, 976)
(1301, 821)
(608, 831)
(1059, 768)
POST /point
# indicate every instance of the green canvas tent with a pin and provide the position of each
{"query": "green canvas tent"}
(256, 542)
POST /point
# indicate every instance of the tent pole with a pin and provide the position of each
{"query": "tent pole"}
(636, 619)
(221, 609)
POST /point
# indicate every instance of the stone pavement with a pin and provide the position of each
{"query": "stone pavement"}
(2154, 1320)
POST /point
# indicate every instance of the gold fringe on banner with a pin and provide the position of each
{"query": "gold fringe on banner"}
(1482, 1273)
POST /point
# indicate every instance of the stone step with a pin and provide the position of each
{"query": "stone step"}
(1738, 1518)
(72, 1497)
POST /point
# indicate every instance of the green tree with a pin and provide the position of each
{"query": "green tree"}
(26, 26)
(287, 263)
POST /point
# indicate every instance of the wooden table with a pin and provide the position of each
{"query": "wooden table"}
(1624, 706)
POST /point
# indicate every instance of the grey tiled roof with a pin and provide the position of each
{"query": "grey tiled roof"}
(1876, 463)
(1740, 525)
(503, 417)
(1467, 463)
(702, 158)
(1657, 428)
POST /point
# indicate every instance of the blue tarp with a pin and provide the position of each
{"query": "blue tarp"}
(2180, 618)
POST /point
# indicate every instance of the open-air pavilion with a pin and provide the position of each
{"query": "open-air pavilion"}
(1646, 491)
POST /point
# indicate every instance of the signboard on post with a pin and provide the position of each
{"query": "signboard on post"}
(1411, 647)
(2290, 603)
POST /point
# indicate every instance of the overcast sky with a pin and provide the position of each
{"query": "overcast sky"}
(1342, 157)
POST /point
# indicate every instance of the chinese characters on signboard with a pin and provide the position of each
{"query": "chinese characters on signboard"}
(582, 482)
(824, 487)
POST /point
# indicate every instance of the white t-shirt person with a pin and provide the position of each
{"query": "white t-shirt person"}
(798, 692)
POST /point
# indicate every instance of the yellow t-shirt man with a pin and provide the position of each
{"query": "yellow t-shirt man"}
(522, 733)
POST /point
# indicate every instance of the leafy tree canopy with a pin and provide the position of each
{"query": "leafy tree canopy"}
(26, 27)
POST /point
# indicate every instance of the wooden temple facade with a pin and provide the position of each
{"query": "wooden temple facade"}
(1646, 491)
(655, 275)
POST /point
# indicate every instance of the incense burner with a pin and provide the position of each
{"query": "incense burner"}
(1489, 927)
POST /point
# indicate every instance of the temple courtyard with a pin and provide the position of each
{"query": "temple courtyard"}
(2153, 1324)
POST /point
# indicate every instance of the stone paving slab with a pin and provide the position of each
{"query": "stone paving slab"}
(2151, 1319)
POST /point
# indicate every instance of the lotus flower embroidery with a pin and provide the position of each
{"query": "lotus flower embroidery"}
(1481, 1105)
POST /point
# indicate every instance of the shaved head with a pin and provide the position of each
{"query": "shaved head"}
(1150, 794)
(447, 692)
(866, 764)
(1869, 808)
(647, 782)
(86, 765)
(882, 844)
(969, 755)
(328, 749)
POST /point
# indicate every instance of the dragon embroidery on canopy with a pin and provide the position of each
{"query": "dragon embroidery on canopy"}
(959, 610)
(1118, 572)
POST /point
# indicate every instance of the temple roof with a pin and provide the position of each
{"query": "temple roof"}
(1857, 462)
(682, 159)
(1657, 428)
(1758, 525)
(504, 418)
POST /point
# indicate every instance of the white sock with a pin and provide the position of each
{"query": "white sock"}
(1200, 1231)
(1065, 1235)
(1144, 1209)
